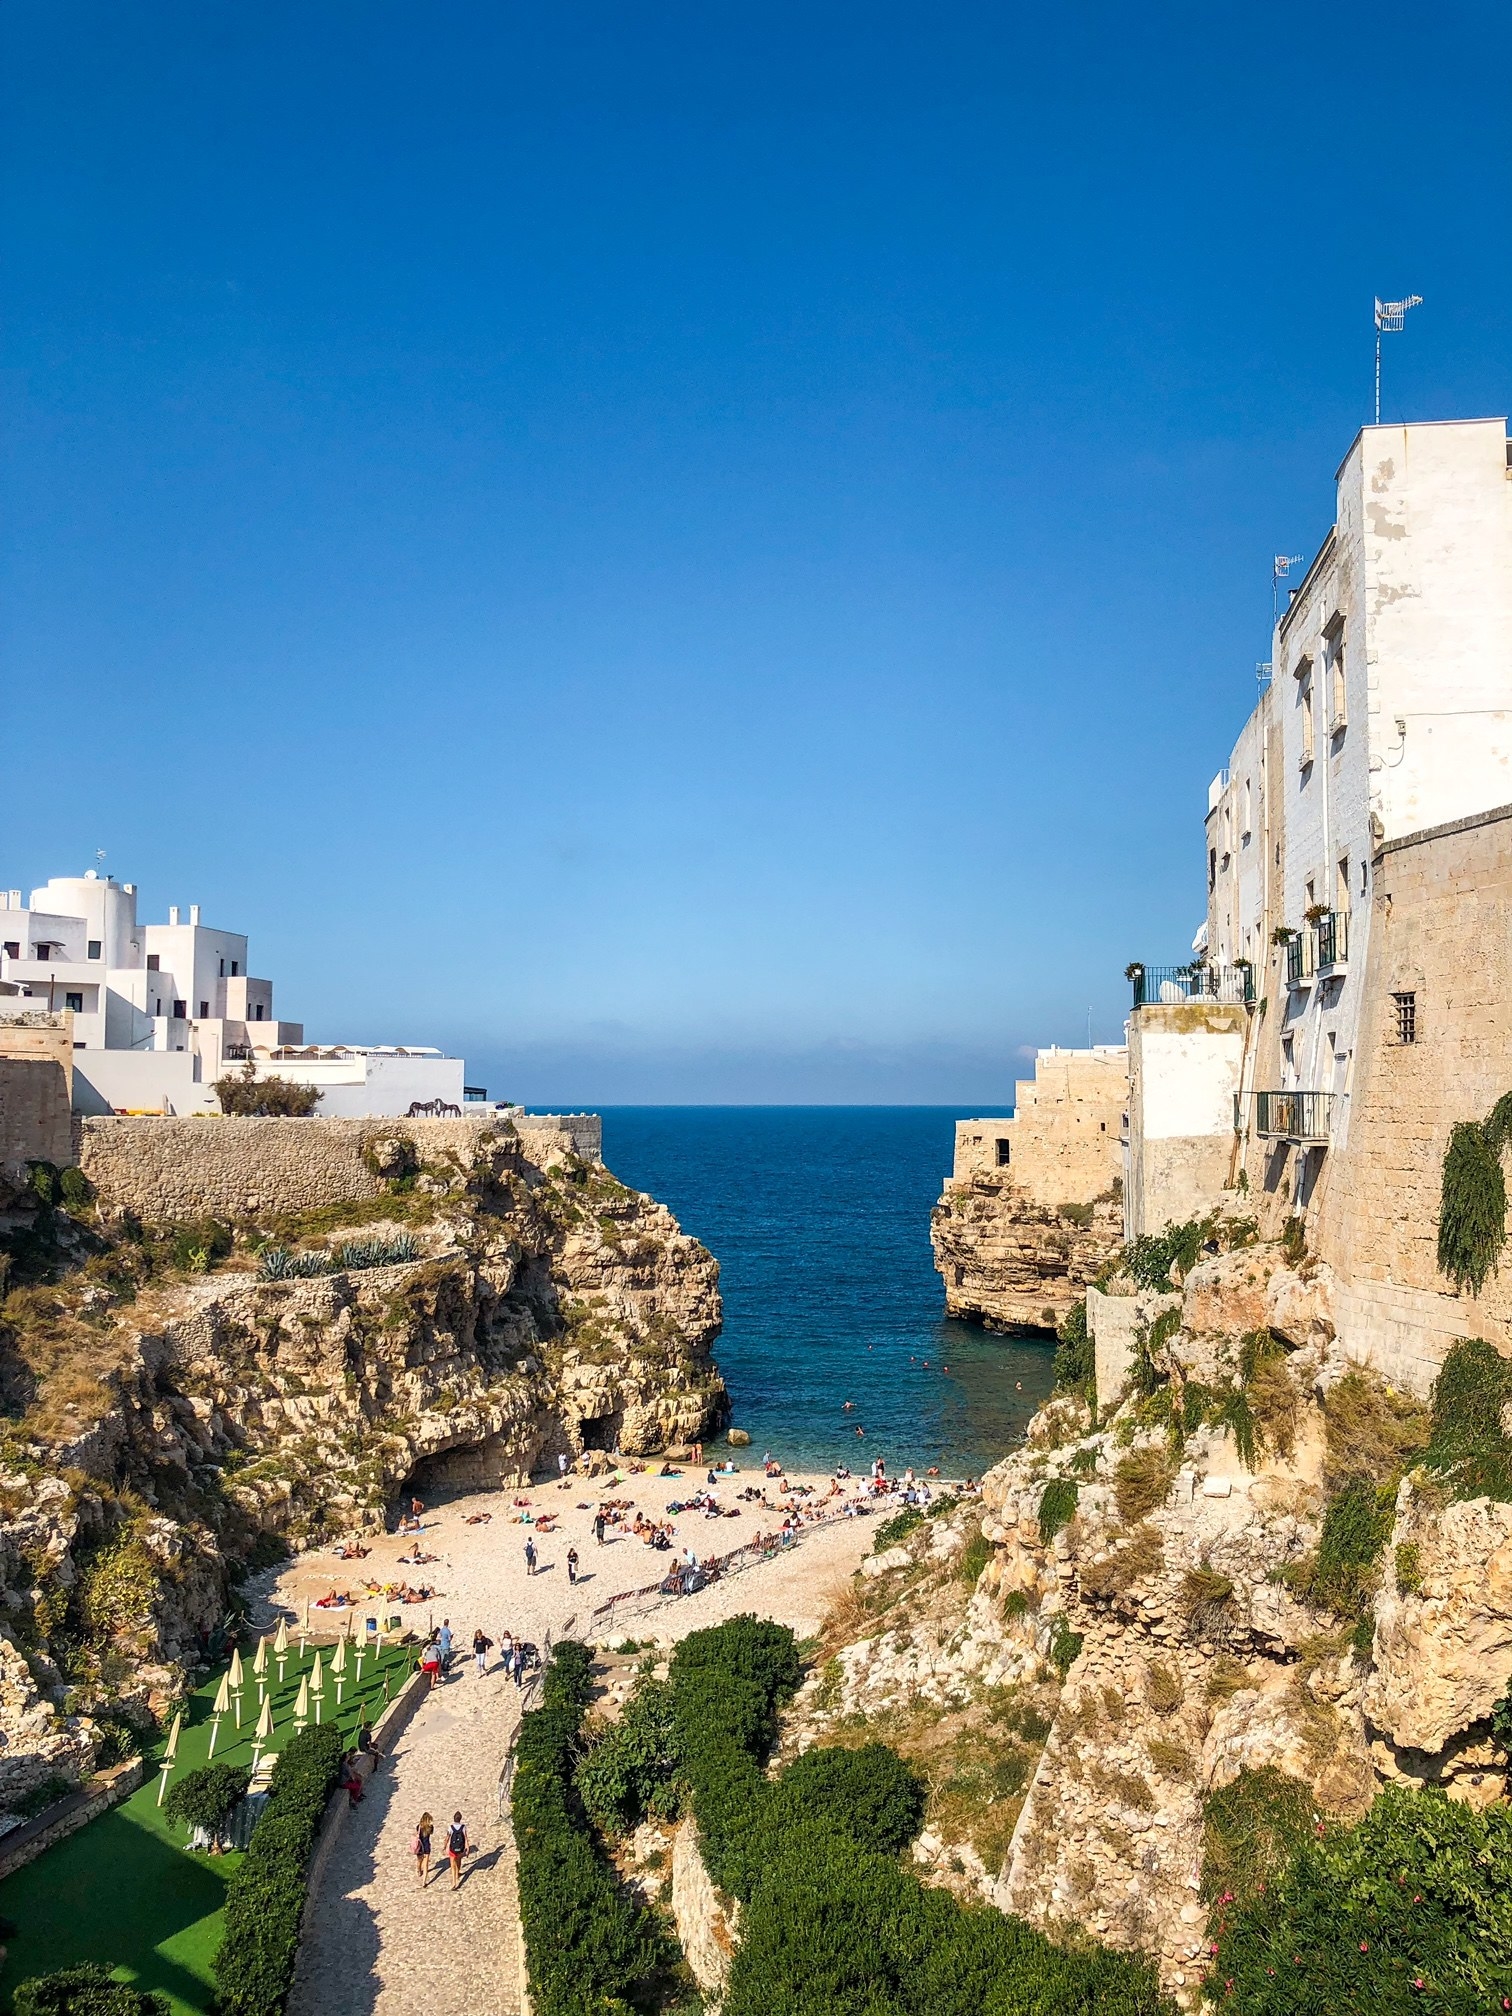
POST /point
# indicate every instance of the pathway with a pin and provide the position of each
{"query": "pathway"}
(375, 1944)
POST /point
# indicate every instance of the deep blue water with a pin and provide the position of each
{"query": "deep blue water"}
(819, 1217)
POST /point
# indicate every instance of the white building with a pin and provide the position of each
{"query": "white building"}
(1389, 713)
(160, 1011)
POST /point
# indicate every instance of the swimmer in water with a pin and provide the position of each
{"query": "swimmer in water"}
(848, 1406)
(860, 1431)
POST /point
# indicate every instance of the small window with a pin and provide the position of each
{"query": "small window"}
(180, 1010)
(1004, 1151)
(1341, 897)
(152, 962)
(1212, 866)
(1102, 1126)
(223, 969)
(74, 1001)
(157, 1006)
(204, 1010)
(1406, 1017)
(95, 948)
(1364, 877)
(13, 948)
(235, 968)
(1305, 702)
(257, 1014)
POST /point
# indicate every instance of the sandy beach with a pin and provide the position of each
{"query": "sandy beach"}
(480, 1576)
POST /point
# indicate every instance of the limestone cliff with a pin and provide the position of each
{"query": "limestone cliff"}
(1011, 1263)
(187, 1399)
(1211, 1578)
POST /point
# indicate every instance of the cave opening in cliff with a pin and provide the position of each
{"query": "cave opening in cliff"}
(602, 1431)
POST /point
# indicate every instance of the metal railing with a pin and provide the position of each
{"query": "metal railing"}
(1301, 958)
(1291, 1116)
(1156, 986)
(1333, 940)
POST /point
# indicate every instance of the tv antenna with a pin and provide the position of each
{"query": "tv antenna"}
(1281, 566)
(1391, 317)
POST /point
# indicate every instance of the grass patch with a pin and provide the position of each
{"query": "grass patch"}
(1142, 1482)
(1251, 1829)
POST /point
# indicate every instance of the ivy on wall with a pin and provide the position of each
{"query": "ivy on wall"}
(1473, 1199)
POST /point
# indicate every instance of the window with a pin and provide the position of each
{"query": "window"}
(94, 948)
(235, 968)
(1247, 824)
(204, 1010)
(1341, 896)
(1364, 872)
(180, 1010)
(1338, 715)
(74, 1001)
(1212, 866)
(1305, 702)
(1406, 1017)
(152, 962)
(257, 1013)
(1004, 1149)
(157, 1006)
(13, 948)
(223, 969)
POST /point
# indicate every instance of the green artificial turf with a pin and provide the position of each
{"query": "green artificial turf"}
(126, 1891)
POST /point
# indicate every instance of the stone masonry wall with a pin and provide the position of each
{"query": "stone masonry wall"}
(1441, 930)
(36, 1073)
(182, 1168)
(1063, 1139)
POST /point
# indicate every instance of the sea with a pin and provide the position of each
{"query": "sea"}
(819, 1218)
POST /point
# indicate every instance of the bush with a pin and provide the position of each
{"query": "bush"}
(1371, 1431)
(1251, 1829)
(266, 1895)
(974, 1558)
(897, 1528)
(588, 1946)
(1075, 1359)
(1150, 1258)
(208, 1797)
(1407, 1911)
(75, 1189)
(634, 1763)
(1057, 1507)
(244, 1093)
(1142, 1482)
(1473, 1203)
(879, 1798)
(1343, 1574)
(84, 1991)
(1468, 1445)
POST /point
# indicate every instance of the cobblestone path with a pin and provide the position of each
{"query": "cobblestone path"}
(374, 1941)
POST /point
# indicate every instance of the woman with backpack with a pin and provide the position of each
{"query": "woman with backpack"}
(425, 1827)
(456, 1847)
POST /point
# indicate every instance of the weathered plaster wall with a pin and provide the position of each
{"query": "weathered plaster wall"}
(1184, 1069)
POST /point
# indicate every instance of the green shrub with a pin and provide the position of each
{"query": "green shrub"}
(1408, 1911)
(1344, 1572)
(245, 1093)
(1151, 1257)
(1250, 1830)
(1473, 1201)
(208, 1797)
(1075, 1362)
(625, 1771)
(1057, 1506)
(75, 1189)
(897, 1528)
(1409, 1567)
(266, 1895)
(1468, 1445)
(588, 1946)
(974, 1558)
(84, 1991)
(1065, 1646)
(879, 1798)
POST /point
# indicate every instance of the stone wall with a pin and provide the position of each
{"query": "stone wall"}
(1442, 931)
(180, 1168)
(1062, 1144)
(36, 1090)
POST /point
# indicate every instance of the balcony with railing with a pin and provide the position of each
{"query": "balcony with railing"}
(1333, 941)
(1291, 1116)
(1171, 986)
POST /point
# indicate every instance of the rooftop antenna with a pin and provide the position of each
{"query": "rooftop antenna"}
(1390, 317)
(1281, 566)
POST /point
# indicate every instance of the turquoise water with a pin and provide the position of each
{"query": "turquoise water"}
(819, 1217)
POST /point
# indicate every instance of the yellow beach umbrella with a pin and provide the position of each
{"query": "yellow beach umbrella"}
(263, 1735)
(281, 1647)
(236, 1679)
(260, 1668)
(170, 1753)
(339, 1666)
(302, 1705)
(317, 1683)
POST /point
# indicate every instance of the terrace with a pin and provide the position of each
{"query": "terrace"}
(1171, 986)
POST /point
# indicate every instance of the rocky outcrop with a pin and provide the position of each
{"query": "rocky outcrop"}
(1011, 1263)
(179, 1426)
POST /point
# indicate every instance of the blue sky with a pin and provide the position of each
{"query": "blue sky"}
(696, 553)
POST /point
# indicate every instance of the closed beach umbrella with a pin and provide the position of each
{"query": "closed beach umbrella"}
(263, 1735)
(281, 1647)
(302, 1705)
(236, 1680)
(338, 1667)
(317, 1684)
(222, 1703)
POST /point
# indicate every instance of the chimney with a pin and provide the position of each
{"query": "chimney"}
(194, 913)
(173, 913)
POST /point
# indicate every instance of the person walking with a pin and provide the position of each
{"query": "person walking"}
(506, 1649)
(572, 1564)
(456, 1847)
(517, 1663)
(530, 1556)
(425, 1827)
(598, 1527)
(481, 1646)
(444, 1644)
(561, 1471)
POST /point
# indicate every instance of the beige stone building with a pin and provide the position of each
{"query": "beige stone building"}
(36, 1089)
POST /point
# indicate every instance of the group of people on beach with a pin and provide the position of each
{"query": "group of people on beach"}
(440, 1650)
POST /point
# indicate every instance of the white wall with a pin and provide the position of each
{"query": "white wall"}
(109, 1081)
